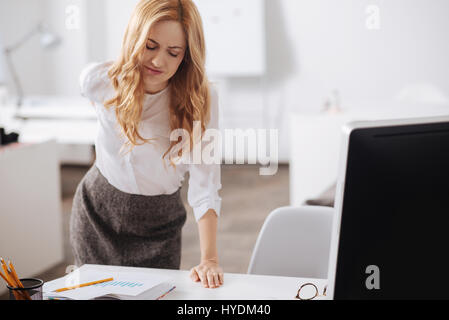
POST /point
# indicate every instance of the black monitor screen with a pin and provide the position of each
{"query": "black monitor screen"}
(394, 236)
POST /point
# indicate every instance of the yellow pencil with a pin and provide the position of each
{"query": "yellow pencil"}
(16, 278)
(84, 285)
(12, 285)
(13, 274)
(11, 282)
(6, 279)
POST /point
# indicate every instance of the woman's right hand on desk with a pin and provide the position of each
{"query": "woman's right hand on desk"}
(209, 273)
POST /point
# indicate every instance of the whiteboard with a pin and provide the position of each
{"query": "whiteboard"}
(234, 32)
(235, 36)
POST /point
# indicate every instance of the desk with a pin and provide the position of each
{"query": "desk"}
(235, 287)
(71, 121)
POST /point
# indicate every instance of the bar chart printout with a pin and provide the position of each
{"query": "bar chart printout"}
(124, 284)
(119, 284)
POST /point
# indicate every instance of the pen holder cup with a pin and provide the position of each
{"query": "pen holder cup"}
(32, 290)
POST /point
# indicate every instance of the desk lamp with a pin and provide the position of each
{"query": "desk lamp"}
(48, 40)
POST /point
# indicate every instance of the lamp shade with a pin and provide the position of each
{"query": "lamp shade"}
(49, 40)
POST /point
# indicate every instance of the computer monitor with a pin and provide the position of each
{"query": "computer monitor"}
(390, 237)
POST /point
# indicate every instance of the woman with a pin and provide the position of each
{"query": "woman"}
(127, 209)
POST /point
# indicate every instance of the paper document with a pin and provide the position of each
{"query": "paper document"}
(124, 286)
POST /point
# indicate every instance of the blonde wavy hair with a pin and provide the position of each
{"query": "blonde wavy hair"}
(189, 96)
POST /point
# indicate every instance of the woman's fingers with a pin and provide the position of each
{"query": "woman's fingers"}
(194, 275)
(216, 280)
(209, 278)
(204, 279)
(202, 276)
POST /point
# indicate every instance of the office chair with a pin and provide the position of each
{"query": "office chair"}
(294, 242)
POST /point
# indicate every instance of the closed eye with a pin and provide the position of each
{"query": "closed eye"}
(154, 48)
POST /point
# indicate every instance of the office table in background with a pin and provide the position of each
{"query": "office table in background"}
(70, 121)
(315, 142)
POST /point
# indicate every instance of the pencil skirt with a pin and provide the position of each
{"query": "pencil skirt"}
(111, 227)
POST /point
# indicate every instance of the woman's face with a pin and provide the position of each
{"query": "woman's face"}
(164, 53)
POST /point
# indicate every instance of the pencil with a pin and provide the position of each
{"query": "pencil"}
(10, 280)
(83, 285)
(6, 279)
(14, 275)
(16, 278)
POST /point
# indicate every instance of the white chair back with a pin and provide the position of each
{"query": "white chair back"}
(294, 242)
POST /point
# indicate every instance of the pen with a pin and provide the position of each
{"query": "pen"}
(166, 293)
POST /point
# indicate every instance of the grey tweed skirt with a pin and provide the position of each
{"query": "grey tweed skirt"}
(110, 227)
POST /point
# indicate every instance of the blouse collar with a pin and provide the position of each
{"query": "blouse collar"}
(154, 95)
(151, 101)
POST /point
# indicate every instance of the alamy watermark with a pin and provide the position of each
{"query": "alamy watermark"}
(73, 276)
(257, 146)
(72, 19)
(373, 280)
(373, 20)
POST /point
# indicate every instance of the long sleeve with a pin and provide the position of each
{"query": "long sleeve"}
(95, 84)
(205, 179)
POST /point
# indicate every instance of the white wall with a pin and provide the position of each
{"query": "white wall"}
(45, 71)
(3, 66)
(316, 46)
(65, 63)
(118, 13)
(96, 29)
(312, 47)
(17, 17)
(332, 47)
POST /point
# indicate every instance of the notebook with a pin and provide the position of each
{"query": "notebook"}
(124, 286)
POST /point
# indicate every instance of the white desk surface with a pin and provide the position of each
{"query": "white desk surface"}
(235, 287)
(66, 120)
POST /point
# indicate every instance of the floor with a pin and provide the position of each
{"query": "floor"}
(247, 199)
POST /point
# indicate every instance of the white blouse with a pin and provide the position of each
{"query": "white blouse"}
(143, 171)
